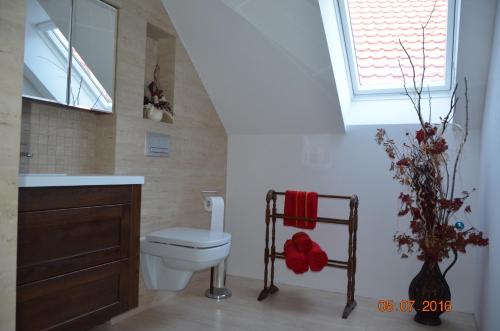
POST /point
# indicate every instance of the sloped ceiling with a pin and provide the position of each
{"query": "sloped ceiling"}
(265, 64)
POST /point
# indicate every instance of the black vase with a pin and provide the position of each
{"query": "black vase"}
(430, 291)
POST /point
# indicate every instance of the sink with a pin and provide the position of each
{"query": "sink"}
(62, 179)
(42, 174)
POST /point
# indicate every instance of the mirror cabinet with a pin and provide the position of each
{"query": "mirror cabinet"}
(70, 53)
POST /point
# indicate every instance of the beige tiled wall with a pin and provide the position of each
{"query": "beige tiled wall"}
(75, 142)
(172, 192)
(60, 140)
(11, 63)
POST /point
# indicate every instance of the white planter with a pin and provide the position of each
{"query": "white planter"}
(154, 113)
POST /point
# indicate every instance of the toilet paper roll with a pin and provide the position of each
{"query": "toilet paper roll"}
(216, 206)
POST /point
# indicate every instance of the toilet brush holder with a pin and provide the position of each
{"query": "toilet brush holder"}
(218, 288)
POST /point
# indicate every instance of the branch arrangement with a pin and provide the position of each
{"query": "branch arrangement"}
(421, 165)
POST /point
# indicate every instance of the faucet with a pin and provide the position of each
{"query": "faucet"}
(26, 154)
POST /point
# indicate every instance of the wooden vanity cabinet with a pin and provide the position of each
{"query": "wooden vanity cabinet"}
(78, 255)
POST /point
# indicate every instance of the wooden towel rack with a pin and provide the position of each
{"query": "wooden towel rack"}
(270, 254)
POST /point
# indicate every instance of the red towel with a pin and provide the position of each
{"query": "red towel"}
(317, 258)
(295, 260)
(301, 204)
(302, 242)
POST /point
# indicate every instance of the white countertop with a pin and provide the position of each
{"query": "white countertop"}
(46, 180)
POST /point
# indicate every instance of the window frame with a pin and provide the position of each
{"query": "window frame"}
(390, 90)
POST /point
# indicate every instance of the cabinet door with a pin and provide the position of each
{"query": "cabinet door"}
(76, 301)
(54, 242)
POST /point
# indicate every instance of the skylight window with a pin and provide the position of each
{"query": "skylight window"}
(372, 31)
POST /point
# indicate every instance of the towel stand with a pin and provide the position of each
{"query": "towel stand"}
(270, 253)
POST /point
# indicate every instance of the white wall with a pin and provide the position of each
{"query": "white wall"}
(342, 164)
(477, 19)
(488, 297)
(252, 62)
(260, 87)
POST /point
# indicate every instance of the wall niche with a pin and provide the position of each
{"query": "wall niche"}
(159, 75)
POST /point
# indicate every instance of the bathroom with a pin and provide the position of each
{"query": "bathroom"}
(251, 100)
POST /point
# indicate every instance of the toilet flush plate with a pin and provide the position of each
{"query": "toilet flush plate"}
(157, 145)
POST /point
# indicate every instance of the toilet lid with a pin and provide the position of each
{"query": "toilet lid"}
(197, 238)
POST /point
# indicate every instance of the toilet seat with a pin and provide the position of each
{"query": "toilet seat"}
(189, 237)
(170, 256)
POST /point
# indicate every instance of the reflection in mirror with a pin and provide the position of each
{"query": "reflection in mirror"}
(46, 49)
(93, 55)
(86, 78)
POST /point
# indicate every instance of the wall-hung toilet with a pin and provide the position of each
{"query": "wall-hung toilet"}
(170, 256)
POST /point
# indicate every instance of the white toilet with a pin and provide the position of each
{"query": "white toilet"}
(170, 256)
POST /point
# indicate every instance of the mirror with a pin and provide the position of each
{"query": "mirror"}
(83, 77)
(93, 60)
(45, 56)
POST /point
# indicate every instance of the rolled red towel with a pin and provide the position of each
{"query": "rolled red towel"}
(317, 258)
(295, 260)
(302, 241)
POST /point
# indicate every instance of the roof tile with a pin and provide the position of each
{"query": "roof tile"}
(378, 25)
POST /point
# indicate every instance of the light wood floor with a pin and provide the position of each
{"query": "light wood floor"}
(293, 308)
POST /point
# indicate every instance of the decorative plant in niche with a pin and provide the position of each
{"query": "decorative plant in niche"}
(427, 170)
(157, 105)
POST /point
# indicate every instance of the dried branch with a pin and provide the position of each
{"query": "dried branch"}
(79, 91)
(430, 103)
(416, 104)
(423, 57)
(404, 85)
(431, 14)
(96, 100)
(460, 149)
(453, 103)
(411, 63)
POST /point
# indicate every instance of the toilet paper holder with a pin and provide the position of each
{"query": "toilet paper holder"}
(217, 289)
(206, 195)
